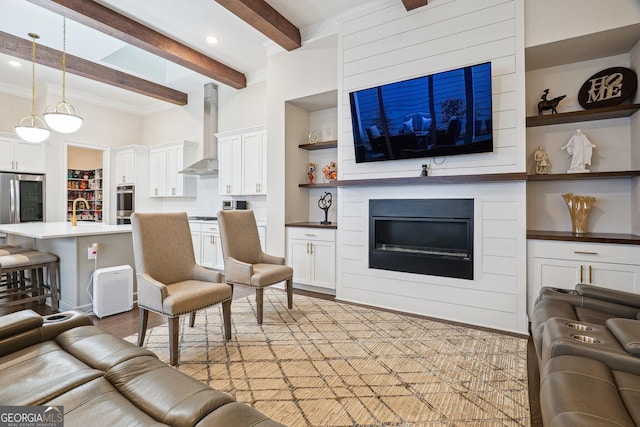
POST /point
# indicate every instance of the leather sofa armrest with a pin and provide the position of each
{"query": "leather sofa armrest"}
(55, 324)
(611, 295)
(14, 323)
(627, 332)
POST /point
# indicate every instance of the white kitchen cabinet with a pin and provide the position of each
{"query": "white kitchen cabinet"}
(242, 156)
(229, 160)
(562, 264)
(125, 165)
(211, 247)
(311, 254)
(165, 163)
(254, 161)
(22, 156)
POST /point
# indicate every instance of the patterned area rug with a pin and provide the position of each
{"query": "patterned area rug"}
(330, 364)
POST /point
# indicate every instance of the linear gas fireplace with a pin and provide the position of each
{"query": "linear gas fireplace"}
(427, 236)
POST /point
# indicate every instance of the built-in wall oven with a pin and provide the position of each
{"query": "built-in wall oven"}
(125, 203)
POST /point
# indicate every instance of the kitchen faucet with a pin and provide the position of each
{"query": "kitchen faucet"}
(74, 221)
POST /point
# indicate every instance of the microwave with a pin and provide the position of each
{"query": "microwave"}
(228, 205)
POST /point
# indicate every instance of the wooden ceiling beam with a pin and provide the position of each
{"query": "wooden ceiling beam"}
(414, 4)
(105, 20)
(21, 48)
(264, 18)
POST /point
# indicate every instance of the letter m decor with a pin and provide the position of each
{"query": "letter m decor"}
(608, 88)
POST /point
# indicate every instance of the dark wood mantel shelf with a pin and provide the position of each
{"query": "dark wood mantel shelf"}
(425, 180)
(332, 226)
(566, 236)
(614, 112)
(320, 145)
(590, 175)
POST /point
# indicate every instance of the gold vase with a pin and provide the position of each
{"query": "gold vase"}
(579, 208)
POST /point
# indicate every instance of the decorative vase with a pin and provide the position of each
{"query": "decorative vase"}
(579, 208)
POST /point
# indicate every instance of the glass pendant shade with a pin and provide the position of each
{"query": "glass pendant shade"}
(32, 129)
(63, 118)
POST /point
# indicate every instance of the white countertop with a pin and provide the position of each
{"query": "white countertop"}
(54, 230)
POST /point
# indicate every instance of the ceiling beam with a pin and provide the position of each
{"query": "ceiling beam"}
(264, 18)
(21, 48)
(105, 20)
(414, 4)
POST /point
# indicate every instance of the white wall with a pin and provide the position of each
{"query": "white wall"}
(386, 44)
(552, 20)
(306, 71)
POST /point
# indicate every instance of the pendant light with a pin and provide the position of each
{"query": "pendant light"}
(32, 128)
(63, 118)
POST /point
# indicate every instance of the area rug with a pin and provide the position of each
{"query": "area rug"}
(325, 363)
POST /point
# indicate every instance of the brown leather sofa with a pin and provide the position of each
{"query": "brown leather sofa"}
(101, 379)
(588, 345)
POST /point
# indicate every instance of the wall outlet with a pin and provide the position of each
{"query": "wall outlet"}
(92, 251)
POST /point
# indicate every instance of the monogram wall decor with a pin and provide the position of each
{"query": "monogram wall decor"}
(608, 88)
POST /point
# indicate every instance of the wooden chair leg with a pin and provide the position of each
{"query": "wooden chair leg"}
(226, 315)
(174, 327)
(143, 317)
(290, 293)
(259, 298)
(192, 319)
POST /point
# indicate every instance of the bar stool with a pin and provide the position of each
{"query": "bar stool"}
(36, 262)
(14, 278)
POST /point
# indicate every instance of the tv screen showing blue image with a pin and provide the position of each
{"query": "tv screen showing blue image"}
(440, 114)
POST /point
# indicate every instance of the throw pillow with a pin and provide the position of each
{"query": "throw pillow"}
(426, 124)
(407, 127)
(374, 132)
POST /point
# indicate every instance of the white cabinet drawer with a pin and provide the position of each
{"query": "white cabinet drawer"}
(586, 252)
(195, 227)
(312, 234)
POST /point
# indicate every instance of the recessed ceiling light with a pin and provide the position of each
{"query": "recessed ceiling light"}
(14, 63)
(212, 39)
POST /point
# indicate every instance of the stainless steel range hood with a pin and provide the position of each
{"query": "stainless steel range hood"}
(209, 164)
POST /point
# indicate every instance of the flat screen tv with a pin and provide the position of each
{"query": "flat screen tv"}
(440, 114)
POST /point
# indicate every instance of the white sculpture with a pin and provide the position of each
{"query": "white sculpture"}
(580, 149)
(542, 161)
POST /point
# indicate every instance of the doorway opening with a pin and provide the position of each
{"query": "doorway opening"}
(85, 180)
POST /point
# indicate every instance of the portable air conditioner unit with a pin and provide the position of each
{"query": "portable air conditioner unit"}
(112, 290)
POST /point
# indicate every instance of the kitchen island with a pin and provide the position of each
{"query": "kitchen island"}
(71, 244)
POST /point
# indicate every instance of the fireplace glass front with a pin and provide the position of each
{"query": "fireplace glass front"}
(431, 236)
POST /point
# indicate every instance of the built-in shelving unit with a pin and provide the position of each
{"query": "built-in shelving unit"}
(579, 176)
(86, 184)
(614, 112)
(320, 145)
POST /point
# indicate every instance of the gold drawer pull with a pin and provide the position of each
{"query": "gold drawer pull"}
(585, 253)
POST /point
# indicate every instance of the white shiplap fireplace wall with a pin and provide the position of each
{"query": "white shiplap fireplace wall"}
(385, 43)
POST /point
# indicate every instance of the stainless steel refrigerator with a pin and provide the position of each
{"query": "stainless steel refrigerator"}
(22, 198)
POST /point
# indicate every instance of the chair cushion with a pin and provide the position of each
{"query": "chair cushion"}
(192, 295)
(269, 274)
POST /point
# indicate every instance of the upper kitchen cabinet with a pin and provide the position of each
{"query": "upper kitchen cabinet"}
(165, 163)
(21, 156)
(132, 162)
(243, 166)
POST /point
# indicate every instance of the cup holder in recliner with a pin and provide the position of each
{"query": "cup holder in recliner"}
(585, 339)
(52, 318)
(578, 326)
(564, 291)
